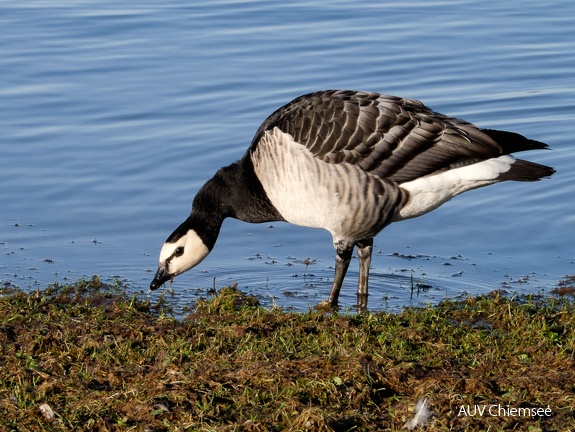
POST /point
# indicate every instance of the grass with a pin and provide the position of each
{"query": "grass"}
(88, 357)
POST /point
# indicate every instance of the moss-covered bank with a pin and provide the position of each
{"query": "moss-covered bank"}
(87, 357)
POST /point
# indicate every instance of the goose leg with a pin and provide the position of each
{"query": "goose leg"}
(364, 249)
(342, 259)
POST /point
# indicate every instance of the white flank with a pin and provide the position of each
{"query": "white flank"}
(310, 192)
(194, 252)
(428, 193)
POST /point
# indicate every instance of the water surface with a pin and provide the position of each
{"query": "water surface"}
(112, 115)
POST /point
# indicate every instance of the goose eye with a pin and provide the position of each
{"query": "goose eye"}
(179, 251)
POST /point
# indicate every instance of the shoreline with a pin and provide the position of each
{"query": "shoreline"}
(86, 355)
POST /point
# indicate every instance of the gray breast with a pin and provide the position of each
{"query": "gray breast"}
(308, 191)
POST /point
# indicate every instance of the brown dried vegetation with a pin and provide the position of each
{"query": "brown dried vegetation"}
(98, 360)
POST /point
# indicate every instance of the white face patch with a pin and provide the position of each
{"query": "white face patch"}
(184, 254)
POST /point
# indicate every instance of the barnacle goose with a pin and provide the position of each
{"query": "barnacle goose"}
(350, 162)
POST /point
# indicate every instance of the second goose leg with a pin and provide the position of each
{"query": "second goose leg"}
(364, 249)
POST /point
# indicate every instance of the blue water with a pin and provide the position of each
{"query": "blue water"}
(113, 114)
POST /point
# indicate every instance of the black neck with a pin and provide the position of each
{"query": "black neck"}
(234, 191)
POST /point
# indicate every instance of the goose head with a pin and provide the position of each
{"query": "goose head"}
(181, 252)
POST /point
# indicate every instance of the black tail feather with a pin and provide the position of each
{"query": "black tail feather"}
(523, 170)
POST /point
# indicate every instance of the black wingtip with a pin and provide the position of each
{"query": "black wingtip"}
(512, 142)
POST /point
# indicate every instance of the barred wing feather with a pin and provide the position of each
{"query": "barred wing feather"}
(395, 138)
